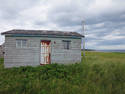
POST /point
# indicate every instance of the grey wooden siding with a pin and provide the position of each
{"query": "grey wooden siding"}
(31, 54)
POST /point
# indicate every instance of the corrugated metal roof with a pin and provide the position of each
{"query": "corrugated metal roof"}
(42, 32)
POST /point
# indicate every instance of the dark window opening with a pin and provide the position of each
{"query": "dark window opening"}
(66, 44)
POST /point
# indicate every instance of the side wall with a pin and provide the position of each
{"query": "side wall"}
(30, 55)
(61, 55)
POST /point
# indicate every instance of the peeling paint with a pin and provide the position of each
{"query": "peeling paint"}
(45, 52)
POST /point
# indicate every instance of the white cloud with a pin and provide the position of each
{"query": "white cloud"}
(104, 20)
(99, 7)
(111, 47)
(99, 25)
(114, 35)
(91, 44)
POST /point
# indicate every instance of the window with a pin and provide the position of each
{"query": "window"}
(66, 44)
(21, 43)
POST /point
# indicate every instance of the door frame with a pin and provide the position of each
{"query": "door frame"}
(50, 51)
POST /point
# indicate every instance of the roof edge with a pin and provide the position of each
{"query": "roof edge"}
(49, 36)
(9, 32)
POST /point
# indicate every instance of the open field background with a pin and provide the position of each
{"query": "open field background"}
(98, 73)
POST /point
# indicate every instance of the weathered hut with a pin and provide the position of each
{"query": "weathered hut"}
(39, 47)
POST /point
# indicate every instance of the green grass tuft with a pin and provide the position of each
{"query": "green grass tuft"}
(99, 73)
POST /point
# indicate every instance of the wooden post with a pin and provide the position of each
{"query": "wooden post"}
(83, 38)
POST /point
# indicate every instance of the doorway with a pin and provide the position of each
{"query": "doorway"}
(45, 52)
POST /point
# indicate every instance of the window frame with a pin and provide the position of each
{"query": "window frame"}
(21, 43)
(66, 44)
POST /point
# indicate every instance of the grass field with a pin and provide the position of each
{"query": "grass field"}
(99, 73)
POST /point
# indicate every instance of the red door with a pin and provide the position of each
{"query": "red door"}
(45, 52)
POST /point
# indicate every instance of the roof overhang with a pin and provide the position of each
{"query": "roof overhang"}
(49, 36)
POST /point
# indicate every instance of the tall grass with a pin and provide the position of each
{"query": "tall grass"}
(99, 73)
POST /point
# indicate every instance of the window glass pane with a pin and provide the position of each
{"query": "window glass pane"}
(66, 44)
(18, 43)
(23, 43)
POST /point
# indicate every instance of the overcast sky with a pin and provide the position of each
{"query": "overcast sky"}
(104, 19)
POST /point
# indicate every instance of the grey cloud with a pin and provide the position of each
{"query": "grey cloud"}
(10, 10)
(40, 23)
(70, 14)
(112, 42)
(65, 18)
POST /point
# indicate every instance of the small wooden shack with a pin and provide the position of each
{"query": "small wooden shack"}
(39, 47)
